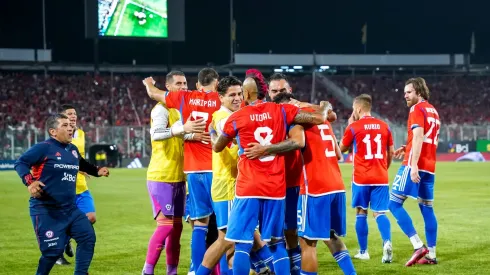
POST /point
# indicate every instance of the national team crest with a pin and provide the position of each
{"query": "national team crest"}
(75, 154)
(49, 234)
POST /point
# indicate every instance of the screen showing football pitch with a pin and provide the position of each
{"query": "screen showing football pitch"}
(133, 18)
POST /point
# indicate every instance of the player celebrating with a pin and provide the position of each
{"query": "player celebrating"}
(198, 160)
(166, 179)
(373, 152)
(84, 199)
(224, 172)
(417, 174)
(55, 216)
(320, 196)
(260, 188)
(254, 88)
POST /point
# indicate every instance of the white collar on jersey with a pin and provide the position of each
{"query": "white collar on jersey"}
(225, 109)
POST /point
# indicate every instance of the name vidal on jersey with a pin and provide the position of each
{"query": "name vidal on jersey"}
(204, 103)
(260, 117)
(372, 127)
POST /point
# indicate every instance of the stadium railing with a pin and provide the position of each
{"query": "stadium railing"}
(134, 141)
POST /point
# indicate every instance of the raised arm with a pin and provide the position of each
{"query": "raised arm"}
(318, 117)
(152, 91)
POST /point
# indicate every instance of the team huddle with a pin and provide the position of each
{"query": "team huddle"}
(267, 173)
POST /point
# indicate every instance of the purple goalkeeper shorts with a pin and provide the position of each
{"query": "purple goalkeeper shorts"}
(168, 198)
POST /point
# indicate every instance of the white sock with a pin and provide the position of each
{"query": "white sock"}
(432, 252)
(416, 241)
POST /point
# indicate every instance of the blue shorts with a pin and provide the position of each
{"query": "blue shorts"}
(404, 186)
(85, 202)
(222, 211)
(187, 211)
(292, 195)
(54, 229)
(318, 215)
(201, 204)
(375, 197)
(244, 216)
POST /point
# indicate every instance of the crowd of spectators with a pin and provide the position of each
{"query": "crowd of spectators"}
(102, 101)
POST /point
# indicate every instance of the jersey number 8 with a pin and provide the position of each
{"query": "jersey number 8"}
(264, 141)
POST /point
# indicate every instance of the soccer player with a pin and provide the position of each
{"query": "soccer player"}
(254, 88)
(373, 152)
(416, 176)
(54, 214)
(320, 196)
(278, 83)
(198, 161)
(224, 173)
(260, 187)
(166, 179)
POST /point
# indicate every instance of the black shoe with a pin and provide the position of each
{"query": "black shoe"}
(69, 250)
(62, 261)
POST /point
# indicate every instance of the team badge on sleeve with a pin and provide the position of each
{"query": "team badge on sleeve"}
(75, 154)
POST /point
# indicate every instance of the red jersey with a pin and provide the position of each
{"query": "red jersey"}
(423, 115)
(294, 168)
(253, 103)
(266, 123)
(371, 138)
(196, 104)
(322, 169)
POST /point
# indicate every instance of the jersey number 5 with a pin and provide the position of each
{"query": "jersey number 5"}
(369, 151)
(264, 141)
(325, 136)
(197, 115)
(434, 123)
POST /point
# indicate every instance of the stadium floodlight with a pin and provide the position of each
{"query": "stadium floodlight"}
(278, 70)
(298, 67)
(324, 67)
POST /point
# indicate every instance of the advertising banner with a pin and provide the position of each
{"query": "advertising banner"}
(456, 147)
(483, 145)
(6, 165)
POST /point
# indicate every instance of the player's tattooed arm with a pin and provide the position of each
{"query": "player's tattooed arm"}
(152, 91)
(317, 117)
(221, 143)
(296, 140)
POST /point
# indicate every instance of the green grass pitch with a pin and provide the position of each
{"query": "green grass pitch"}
(125, 224)
(125, 23)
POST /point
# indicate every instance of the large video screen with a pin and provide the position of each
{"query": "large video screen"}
(133, 18)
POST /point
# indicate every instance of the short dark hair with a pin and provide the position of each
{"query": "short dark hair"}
(170, 76)
(65, 107)
(278, 76)
(420, 87)
(226, 82)
(283, 98)
(206, 76)
(53, 121)
(365, 100)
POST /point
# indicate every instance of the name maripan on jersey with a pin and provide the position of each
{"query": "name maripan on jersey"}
(203, 103)
(260, 117)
